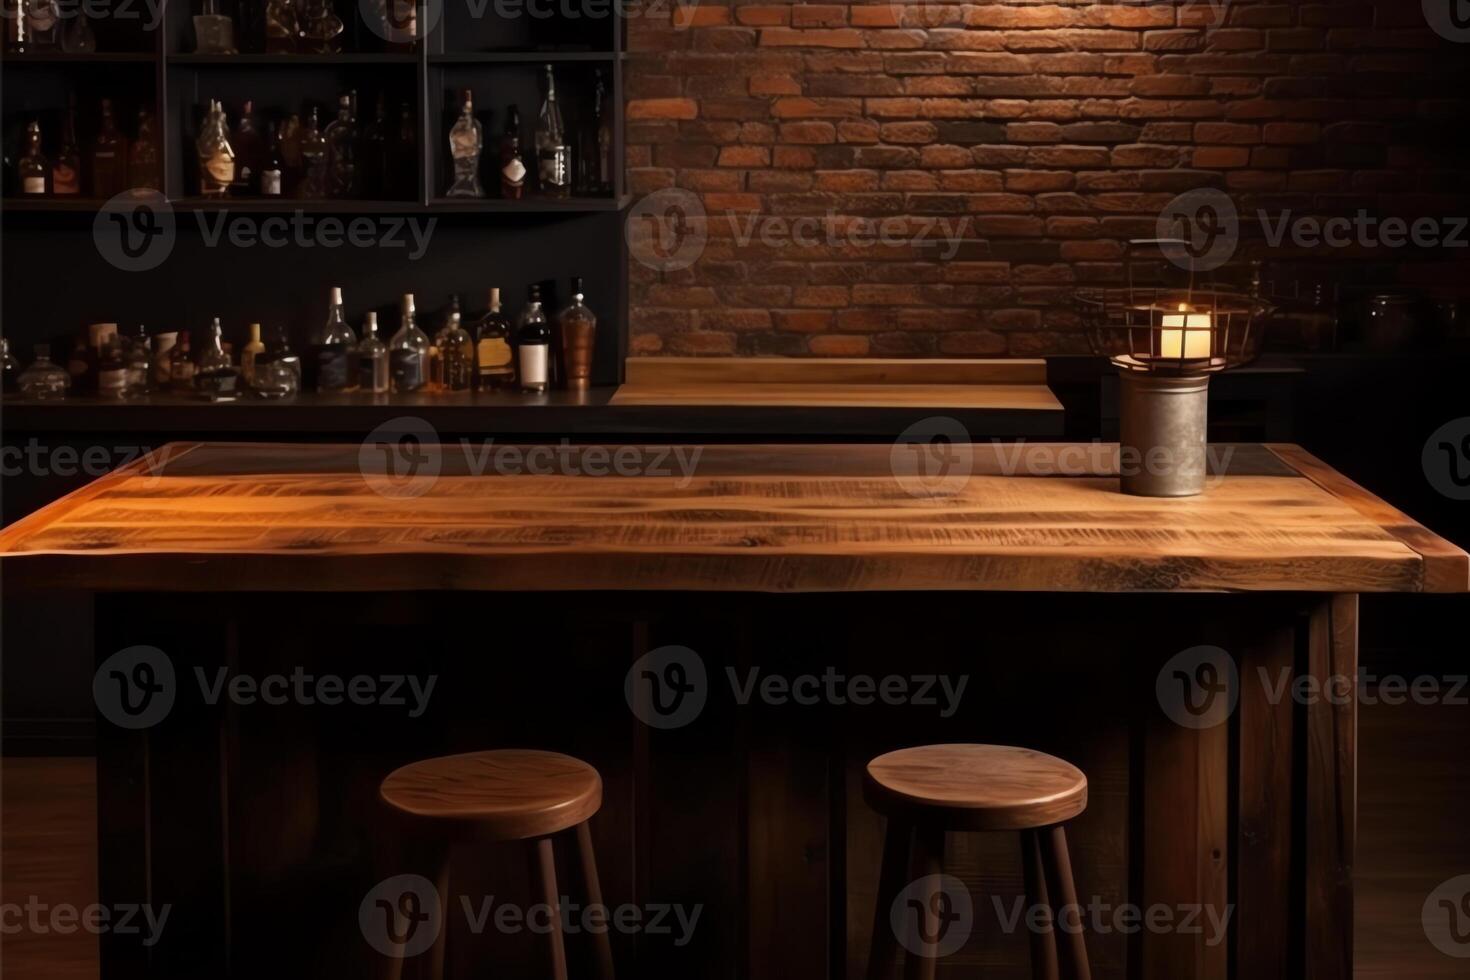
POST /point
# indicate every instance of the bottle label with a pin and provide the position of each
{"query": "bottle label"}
(220, 167)
(407, 368)
(368, 369)
(533, 364)
(493, 353)
(331, 368)
(112, 381)
(554, 166)
(65, 180)
(33, 185)
(514, 172)
(270, 183)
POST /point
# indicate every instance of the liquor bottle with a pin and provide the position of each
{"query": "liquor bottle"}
(181, 365)
(494, 360)
(81, 366)
(43, 25)
(32, 167)
(216, 155)
(292, 164)
(216, 376)
(321, 28)
(465, 144)
(578, 337)
(252, 349)
(313, 161)
(66, 171)
(373, 165)
(372, 358)
(43, 380)
(78, 36)
(332, 355)
(276, 373)
(512, 165)
(279, 352)
(249, 153)
(552, 153)
(109, 157)
(341, 137)
(17, 31)
(603, 171)
(594, 149)
(112, 373)
(282, 27)
(214, 32)
(9, 369)
(408, 353)
(456, 352)
(272, 174)
(138, 362)
(533, 344)
(144, 172)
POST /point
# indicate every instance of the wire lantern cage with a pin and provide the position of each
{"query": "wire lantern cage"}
(1182, 331)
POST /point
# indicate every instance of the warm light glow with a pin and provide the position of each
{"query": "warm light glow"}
(1186, 335)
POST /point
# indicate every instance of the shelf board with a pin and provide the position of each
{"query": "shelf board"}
(265, 205)
(528, 205)
(323, 60)
(54, 204)
(63, 58)
(518, 57)
(571, 205)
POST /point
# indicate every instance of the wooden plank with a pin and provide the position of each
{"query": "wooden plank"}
(1036, 398)
(834, 370)
(1332, 789)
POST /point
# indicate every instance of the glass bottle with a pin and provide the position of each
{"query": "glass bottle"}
(81, 365)
(372, 358)
(9, 369)
(313, 160)
(272, 174)
(333, 351)
(552, 153)
(32, 166)
(495, 365)
(466, 141)
(181, 365)
(252, 349)
(109, 157)
(578, 338)
(112, 373)
(321, 28)
(216, 375)
(280, 350)
(138, 362)
(216, 155)
(78, 36)
(533, 344)
(341, 137)
(249, 149)
(456, 351)
(17, 31)
(43, 24)
(408, 353)
(594, 153)
(66, 171)
(43, 380)
(277, 371)
(291, 162)
(214, 32)
(144, 172)
(512, 165)
(282, 27)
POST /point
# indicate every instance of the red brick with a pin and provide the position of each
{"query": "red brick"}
(662, 109)
(844, 37)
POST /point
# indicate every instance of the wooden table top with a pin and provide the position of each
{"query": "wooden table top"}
(1021, 517)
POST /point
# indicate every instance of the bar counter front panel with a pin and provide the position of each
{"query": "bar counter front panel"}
(1020, 598)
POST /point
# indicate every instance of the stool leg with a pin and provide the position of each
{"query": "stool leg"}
(1068, 913)
(436, 952)
(928, 863)
(543, 880)
(883, 950)
(1043, 936)
(601, 940)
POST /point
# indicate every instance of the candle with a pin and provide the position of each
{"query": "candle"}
(1186, 335)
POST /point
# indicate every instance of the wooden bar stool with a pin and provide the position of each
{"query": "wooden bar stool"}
(928, 790)
(500, 796)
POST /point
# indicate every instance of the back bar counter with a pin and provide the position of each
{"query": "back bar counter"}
(660, 614)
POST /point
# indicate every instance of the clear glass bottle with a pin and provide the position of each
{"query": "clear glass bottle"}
(553, 155)
(533, 344)
(333, 351)
(216, 155)
(215, 374)
(43, 380)
(408, 353)
(282, 26)
(66, 169)
(341, 137)
(32, 168)
(43, 24)
(495, 365)
(181, 365)
(109, 157)
(466, 141)
(277, 372)
(456, 351)
(144, 171)
(512, 164)
(249, 148)
(578, 338)
(112, 373)
(9, 369)
(138, 360)
(313, 160)
(321, 28)
(252, 349)
(78, 36)
(372, 358)
(214, 32)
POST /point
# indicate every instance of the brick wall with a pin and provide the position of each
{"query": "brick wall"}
(1045, 134)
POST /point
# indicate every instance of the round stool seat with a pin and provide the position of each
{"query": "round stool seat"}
(976, 787)
(509, 794)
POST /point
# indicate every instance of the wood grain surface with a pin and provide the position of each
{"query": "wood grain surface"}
(976, 787)
(226, 517)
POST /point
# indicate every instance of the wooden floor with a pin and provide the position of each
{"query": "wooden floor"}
(1413, 775)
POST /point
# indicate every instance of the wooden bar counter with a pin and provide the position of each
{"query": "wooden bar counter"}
(528, 581)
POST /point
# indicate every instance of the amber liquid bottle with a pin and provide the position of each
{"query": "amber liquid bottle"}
(66, 170)
(144, 172)
(32, 167)
(109, 157)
